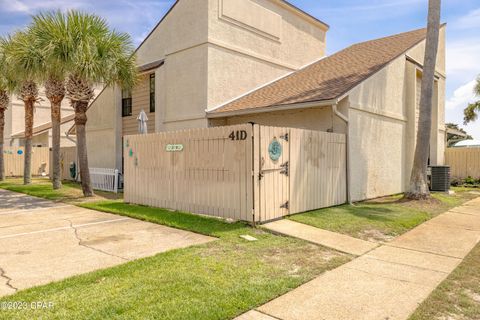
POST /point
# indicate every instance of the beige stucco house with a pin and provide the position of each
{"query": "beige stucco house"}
(221, 62)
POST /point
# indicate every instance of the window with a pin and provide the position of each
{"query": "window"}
(152, 92)
(126, 103)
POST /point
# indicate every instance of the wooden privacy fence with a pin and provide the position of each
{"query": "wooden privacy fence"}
(68, 155)
(14, 160)
(463, 162)
(246, 172)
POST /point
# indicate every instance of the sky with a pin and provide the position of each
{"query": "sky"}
(350, 21)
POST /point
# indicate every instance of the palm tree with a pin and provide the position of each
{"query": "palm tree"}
(90, 53)
(418, 181)
(53, 74)
(471, 112)
(23, 59)
(4, 100)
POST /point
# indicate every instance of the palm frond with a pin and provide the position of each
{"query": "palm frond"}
(82, 45)
(471, 112)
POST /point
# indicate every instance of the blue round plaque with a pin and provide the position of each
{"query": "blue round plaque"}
(20, 152)
(275, 150)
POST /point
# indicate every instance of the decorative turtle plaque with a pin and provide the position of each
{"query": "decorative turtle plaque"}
(275, 150)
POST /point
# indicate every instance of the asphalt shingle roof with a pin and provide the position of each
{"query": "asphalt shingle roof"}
(331, 77)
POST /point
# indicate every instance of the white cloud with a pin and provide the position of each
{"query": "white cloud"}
(462, 96)
(31, 6)
(14, 6)
(470, 20)
(463, 54)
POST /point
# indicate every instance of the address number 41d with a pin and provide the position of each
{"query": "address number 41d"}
(238, 135)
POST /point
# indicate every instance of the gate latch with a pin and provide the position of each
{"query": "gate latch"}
(286, 205)
(285, 168)
(284, 137)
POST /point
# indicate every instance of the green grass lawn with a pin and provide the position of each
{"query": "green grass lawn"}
(218, 280)
(382, 219)
(458, 297)
(42, 188)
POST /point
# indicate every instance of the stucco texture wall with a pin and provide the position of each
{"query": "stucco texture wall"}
(383, 116)
(320, 119)
(102, 130)
(16, 115)
(252, 42)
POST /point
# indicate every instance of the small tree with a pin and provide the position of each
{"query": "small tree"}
(90, 53)
(418, 181)
(23, 59)
(471, 112)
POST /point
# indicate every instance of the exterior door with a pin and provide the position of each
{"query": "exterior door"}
(274, 173)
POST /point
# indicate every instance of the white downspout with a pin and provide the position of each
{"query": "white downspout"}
(345, 119)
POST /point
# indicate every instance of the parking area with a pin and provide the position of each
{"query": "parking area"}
(43, 241)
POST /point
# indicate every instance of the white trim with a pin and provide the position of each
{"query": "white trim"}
(262, 86)
(314, 104)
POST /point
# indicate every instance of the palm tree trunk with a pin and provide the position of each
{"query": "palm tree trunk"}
(2, 155)
(55, 92)
(56, 167)
(27, 169)
(80, 122)
(418, 181)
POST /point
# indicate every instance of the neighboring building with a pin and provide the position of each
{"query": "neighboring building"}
(221, 62)
(467, 144)
(15, 123)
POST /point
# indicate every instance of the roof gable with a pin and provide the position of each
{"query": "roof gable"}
(329, 78)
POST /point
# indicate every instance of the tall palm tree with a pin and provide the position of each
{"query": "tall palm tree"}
(91, 54)
(418, 181)
(23, 59)
(52, 73)
(4, 100)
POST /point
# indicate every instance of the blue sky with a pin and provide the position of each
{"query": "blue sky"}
(351, 21)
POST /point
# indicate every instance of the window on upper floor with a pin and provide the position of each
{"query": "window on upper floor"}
(126, 103)
(152, 92)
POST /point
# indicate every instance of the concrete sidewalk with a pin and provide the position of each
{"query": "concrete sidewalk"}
(388, 282)
(322, 237)
(43, 241)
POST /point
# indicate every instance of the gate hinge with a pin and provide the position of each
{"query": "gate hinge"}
(284, 137)
(286, 205)
(260, 176)
(285, 167)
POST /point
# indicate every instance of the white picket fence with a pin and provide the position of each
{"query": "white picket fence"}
(104, 179)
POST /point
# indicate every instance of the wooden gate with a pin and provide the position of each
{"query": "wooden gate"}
(274, 192)
(247, 172)
(299, 170)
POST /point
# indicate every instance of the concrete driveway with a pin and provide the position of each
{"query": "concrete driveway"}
(42, 241)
